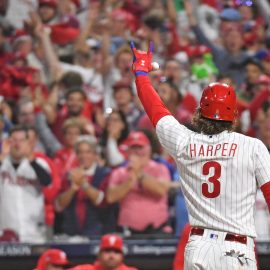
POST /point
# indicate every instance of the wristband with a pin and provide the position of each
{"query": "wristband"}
(143, 73)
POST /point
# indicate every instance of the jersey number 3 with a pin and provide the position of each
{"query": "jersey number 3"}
(214, 187)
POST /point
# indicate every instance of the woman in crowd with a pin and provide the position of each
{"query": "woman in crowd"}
(114, 135)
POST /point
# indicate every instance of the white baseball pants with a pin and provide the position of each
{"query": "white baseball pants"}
(211, 252)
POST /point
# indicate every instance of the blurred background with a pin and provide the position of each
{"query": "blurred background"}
(76, 143)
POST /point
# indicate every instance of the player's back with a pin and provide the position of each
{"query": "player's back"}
(219, 181)
(218, 175)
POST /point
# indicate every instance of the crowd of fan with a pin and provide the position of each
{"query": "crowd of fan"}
(78, 154)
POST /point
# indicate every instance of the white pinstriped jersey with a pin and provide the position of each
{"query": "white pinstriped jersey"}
(220, 175)
(22, 200)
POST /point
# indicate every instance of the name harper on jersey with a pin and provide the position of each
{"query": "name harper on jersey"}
(210, 150)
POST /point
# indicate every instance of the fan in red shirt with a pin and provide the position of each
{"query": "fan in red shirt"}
(110, 256)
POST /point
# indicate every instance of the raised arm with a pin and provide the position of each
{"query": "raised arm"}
(52, 145)
(51, 57)
(142, 65)
(171, 134)
(200, 35)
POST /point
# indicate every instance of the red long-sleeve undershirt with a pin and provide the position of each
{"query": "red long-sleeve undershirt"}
(151, 101)
(266, 193)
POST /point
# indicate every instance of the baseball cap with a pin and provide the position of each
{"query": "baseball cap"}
(196, 51)
(20, 35)
(64, 33)
(137, 138)
(230, 14)
(51, 3)
(111, 241)
(52, 256)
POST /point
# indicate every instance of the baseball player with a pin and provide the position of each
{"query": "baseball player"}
(110, 256)
(220, 171)
(53, 259)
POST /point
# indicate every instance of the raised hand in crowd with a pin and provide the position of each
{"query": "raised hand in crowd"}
(93, 14)
(5, 149)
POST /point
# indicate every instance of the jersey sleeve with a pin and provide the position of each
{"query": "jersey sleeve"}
(42, 171)
(262, 164)
(151, 101)
(172, 135)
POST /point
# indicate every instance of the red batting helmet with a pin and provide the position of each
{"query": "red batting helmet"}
(218, 102)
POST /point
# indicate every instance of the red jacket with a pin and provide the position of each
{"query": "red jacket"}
(65, 159)
(50, 192)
